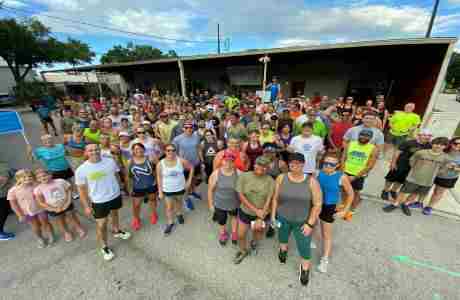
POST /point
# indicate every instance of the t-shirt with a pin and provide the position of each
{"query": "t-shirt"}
(67, 124)
(238, 131)
(52, 157)
(269, 138)
(408, 148)
(402, 122)
(187, 147)
(43, 112)
(353, 133)
(257, 189)
(100, 178)
(338, 130)
(165, 130)
(54, 192)
(92, 137)
(450, 173)
(274, 89)
(116, 121)
(425, 166)
(309, 147)
(24, 196)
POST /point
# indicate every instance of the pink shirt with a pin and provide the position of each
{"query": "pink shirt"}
(54, 192)
(24, 196)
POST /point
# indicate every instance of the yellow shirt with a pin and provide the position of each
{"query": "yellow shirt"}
(165, 130)
(402, 123)
(269, 138)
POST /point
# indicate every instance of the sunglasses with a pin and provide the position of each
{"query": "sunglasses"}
(170, 150)
(329, 164)
(188, 127)
(140, 132)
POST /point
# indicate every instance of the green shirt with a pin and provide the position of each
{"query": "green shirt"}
(92, 137)
(357, 157)
(425, 166)
(257, 189)
(238, 131)
(402, 123)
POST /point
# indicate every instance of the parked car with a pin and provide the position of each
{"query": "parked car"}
(458, 96)
(7, 100)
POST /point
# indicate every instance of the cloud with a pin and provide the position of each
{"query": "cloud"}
(14, 3)
(289, 42)
(70, 5)
(454, 1)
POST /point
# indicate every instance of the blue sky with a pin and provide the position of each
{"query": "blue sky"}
(247, 24)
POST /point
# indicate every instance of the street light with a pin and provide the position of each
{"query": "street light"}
(265, 60)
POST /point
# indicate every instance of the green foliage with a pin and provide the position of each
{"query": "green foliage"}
(120, 54)
(453, 71)
(25, 45)
(26, 91)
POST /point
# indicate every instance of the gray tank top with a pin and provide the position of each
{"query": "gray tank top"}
(295, 199)
(225, 194)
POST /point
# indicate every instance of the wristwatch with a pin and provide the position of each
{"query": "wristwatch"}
(309, 225)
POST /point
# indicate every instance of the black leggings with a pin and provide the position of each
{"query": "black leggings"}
(4, 211)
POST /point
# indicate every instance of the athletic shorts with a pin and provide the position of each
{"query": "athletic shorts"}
(220, 215)
(41, 215)
(446, 183)
(139, 193)
(396, 140)
(357, 183)
(174, 196)
(64, 174)
(46, 120)
(245, 218)
(413, 188)
(398, 175)
(68, 209)
(102, 210)
(302, 242)
(327, 213)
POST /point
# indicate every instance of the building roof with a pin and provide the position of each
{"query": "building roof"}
(377, 43)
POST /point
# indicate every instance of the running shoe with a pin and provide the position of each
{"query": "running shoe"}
(168, 229)
(41, 243)
(240, 256)
(195, 195)
(153, 218)
(223, 238)
(6, 236)
(68, 237)
(189, 203)
(123, 235)
(270, 232)
(282, 256)
(180, 219)
(234, 238)
(323, 263)
(427, 211)
(304, 275)
(384, 195)
(389, 208)
(406, 210)
(254, 247)
(136, 224)
(416, 204)
(75, 196)
(107, 253)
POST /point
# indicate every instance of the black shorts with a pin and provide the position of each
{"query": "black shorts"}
(357, 183)
(102, 210)
(46, 120)
(68, 209)
(220, 215)
(398, 175)
(327, 213)
(446, 183)
(64, 174)
(245, 218)
(140, 193)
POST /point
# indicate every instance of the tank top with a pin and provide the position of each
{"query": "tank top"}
(253, 153)
(347, 108)
(295, 199)
(225, 194)
(357, 157)
(209, 151)
(330, 187)
(143, 174)
(173, 177)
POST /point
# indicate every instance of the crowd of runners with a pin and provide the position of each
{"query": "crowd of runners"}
(288, 166)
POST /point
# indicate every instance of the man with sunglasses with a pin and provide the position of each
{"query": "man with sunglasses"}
(358, 159)
(188, 147)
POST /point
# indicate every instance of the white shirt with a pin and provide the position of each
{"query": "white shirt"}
(309, 147)
(100, 178)
(116, 121)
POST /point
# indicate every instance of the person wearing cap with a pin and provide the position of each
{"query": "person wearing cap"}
(311, 146)
(255, 191)
(223, 199)
(400, 166)
(296, 206)
(277, 165)
(164, 128)
(358, 159)
(369, 122)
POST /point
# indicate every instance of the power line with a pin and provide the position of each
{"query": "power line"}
(107, 27)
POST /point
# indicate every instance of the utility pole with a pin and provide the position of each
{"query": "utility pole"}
(433, 16)
(218, 38)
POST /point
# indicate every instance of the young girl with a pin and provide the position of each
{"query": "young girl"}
(54, 195)
(27, 208)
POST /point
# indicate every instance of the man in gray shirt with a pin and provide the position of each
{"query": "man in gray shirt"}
(369, 122)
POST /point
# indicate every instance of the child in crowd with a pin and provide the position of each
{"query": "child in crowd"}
(54, 195)
(27, 208)
(425, 165)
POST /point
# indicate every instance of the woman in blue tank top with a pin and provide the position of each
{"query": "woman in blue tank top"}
(331, 182)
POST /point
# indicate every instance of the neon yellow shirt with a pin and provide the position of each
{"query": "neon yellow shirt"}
(357, 157)
(269, 138)
(401, 123)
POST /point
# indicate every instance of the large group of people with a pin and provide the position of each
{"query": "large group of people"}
(284, 166)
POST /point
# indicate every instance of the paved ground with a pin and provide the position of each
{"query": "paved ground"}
(191, 265)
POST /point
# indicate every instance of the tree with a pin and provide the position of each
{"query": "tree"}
(453, 71)
(120, 54)
(25, 45)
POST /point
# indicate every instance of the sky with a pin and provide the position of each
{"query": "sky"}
(190, 26)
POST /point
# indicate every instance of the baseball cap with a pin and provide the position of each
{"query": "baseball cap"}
(263, 161)
(366, 132)
(296, 157)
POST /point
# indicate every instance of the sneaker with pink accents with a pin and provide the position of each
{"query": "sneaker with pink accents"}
(223, 238)
(234, 238)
